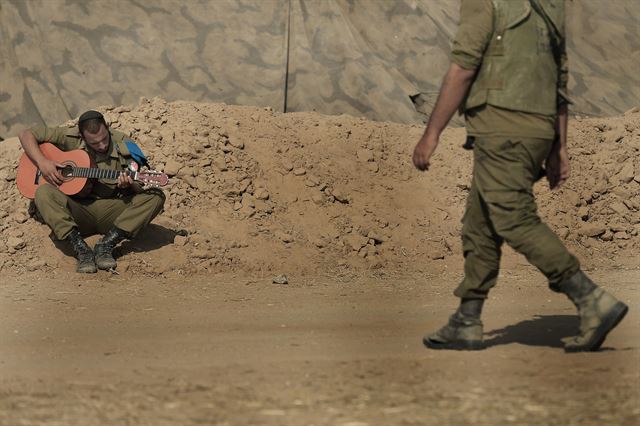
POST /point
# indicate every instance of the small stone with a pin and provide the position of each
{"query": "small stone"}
(172, 167)
(236, 143)
(20, 217)
(220, 163)
(283, 236)
(619, 207)
(373, 167)
(299, 171)
(364, 155)
(261, 194)
(318, 198)
(287, 165)
(16, 243)
(280, 279)
(340, 195)
(180, 240)
(583, 213)
(592, 229)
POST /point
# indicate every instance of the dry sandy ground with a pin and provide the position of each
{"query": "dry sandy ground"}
(191, 329)
(341, 350)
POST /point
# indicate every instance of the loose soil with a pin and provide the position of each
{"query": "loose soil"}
(191, 329)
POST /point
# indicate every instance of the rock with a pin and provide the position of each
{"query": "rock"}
(287, 165)
(592, 229)
(364, 155)
(621, 236)
(220, 163)
(627, 173)
(16, 243)
(619, 207)
(20, 217)
(300, 171)
(261, 194)
(583, 213)
(340, 195)
(180, 240)
(312, 181)
(572, 197)
(236, 143)
(607, 236)
(373, 167)
(172, 167)
(318, 198)
(36, 265)
(280, 279)
(355, 241)
(283, 236)
(378, 238)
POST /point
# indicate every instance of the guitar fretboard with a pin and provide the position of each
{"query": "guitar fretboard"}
(95, 173)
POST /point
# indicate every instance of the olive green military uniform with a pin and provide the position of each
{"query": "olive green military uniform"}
(511, 110)
(106, 205)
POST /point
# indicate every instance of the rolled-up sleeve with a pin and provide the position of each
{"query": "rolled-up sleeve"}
(474, 33)
(563, 77)
(54, 135)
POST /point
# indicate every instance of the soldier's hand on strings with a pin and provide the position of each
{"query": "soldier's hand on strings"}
(124, 181)
(558, 168)
(51, 171)
(422, 153)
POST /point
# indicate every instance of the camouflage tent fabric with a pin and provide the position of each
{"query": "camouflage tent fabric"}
(375, 58)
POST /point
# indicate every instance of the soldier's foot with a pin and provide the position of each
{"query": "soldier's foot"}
(104, 248)
(600, 313)
(460, 333)
(86, 264)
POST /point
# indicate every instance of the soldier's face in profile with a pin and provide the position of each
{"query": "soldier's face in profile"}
(99, 141)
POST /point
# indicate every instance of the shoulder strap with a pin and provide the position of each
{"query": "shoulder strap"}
(554, 37)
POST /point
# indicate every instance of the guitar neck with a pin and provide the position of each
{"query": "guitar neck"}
(95, 173)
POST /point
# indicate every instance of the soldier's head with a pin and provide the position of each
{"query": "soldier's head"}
(93, 129)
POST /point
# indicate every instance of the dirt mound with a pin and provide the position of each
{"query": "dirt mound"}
(261, 192)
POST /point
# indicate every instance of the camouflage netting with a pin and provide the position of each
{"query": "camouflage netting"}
(374, 58)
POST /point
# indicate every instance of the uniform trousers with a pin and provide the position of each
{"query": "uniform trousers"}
(130, 213)
(501, 208)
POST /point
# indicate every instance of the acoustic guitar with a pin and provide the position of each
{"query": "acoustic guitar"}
(76, 172)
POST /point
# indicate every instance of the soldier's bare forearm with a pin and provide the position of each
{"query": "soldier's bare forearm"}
(452, 92)
(562, 124)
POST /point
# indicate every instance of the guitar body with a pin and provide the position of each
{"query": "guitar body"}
(29, 179)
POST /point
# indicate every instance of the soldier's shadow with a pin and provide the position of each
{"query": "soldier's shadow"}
(150, 238)
(542, 330)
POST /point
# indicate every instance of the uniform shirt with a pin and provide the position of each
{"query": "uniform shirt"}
(68, 138)
(474, 32)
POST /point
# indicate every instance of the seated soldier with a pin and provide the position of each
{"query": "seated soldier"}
(118, 209)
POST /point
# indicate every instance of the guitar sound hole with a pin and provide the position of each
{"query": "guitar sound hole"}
(67, 171)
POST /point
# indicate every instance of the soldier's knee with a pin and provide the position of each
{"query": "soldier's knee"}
(46, 193)
(156, 198)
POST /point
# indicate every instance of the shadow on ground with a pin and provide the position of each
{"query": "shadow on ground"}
(542, 330)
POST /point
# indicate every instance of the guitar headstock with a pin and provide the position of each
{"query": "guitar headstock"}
(152, 177)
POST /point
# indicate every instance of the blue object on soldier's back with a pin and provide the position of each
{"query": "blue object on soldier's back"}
(136, 153)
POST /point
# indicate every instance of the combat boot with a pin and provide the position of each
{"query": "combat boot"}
(104, 248)
(599, 312)
(86, 263)
(462, 332)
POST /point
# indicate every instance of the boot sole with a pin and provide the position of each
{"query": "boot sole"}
(610, 321)
(469, 345)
